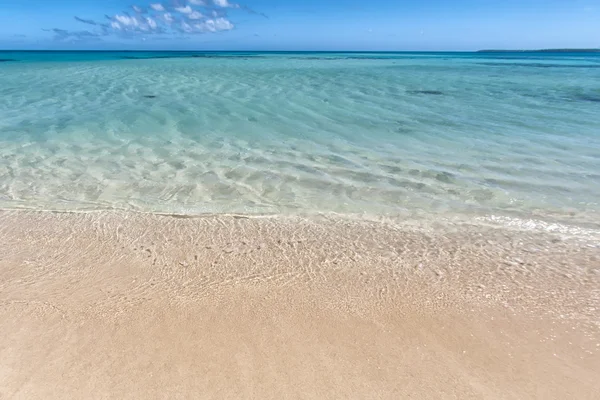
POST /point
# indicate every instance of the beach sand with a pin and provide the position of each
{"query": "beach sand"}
(126, 305)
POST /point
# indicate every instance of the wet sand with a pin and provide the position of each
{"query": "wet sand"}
(125, 305)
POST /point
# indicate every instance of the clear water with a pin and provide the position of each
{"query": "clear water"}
(389, 134)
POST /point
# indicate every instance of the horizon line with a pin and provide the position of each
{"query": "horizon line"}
(311, 51)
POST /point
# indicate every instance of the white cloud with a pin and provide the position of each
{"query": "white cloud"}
(131, 24)
(216, 25)
(184, 10)
(223, 24)
(225, 4)
(195, 15)
(187, 28)
(127, 21)
(207, 26)
(151, 23)
(167, 21)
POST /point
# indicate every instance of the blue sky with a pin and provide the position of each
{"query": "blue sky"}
(299, 25)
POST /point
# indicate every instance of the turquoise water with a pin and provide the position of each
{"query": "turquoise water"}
(513, 135)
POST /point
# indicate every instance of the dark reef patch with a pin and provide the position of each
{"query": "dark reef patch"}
(445, 177)
(593, 97)
(428, 92)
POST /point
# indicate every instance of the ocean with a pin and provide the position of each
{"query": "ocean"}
(506, 137)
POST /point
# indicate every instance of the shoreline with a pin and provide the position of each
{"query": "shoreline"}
(129, 305)
(421, 219)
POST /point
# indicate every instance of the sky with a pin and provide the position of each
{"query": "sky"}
(375, 25)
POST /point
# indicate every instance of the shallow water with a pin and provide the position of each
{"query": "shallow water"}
(494, 136)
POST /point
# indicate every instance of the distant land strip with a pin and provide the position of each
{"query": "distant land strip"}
(543, 51)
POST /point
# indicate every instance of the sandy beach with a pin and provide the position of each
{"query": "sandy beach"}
(125, 305)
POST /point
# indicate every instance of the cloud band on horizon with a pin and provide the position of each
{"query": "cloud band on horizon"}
(171, 18)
